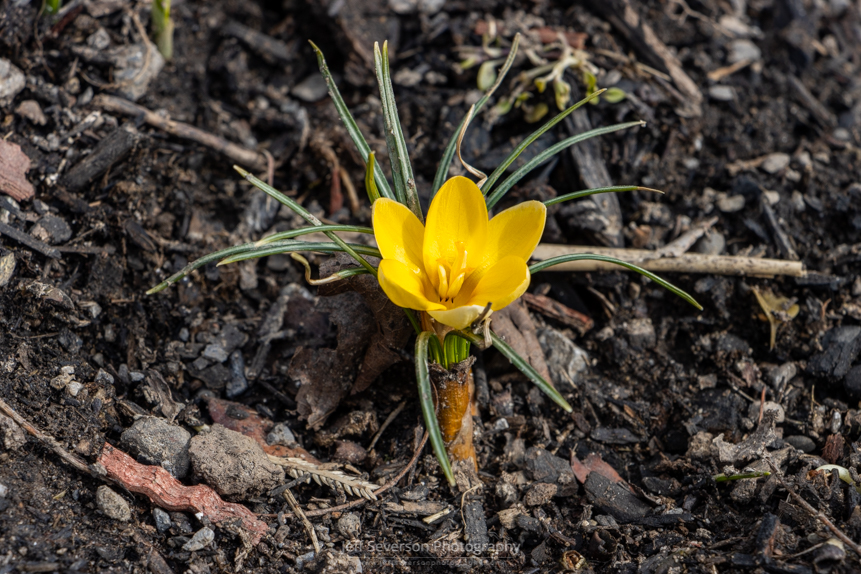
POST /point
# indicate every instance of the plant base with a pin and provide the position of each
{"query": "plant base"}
(456, 406)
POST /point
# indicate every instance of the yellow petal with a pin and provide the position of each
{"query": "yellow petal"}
(513, 232)
(502, 284)
(405, 287)
(459, 317)
(398, 232)
(457, 213)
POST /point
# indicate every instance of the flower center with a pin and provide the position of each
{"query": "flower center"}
(451, 276)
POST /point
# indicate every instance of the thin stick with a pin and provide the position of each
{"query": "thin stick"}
(379, 491)
(309, 528)
(47, 440)
(822, 518)
(235, 152)
(388, 421)
(687, 263)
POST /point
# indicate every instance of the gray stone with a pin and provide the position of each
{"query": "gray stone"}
(778, 377)
(722, 93)
(70, 341)
(743, 49)
(311, 89)
(232, 463)
(7, 269)
(730, 203)
(563, 357)
(153, 440)
(775, 162)
(104, 378)
(840, 348)
(281, 434)
(641, 334)
(215, 376)
(112, 504)
(12, 81)
(4, 490)
(712, 243)
(802, 443)
(161, 519)
(350, 525)
(201, 539)
(130, 75)
(215, 352)
(12, 437)
(238, 384)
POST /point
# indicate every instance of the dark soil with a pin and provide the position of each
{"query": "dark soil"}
(663, 379)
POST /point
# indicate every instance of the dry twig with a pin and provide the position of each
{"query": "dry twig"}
(309, 528)
(686, 263)
(235, 152)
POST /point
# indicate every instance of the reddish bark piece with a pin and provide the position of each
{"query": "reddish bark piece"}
(14, 165)
(594, 463)
(832, 452)
(245, 420)
(555, 310)
(167, 492)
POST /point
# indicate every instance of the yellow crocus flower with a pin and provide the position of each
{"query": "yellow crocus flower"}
(459, 262)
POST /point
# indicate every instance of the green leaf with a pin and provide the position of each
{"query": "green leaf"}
(370, 185)
(282, 235)
(542, 265)
(448, 154)
(305, 214)
(350, 123)
(402, 170)
(426, 401)
(256, 250)
(614, 96)
(524, 367)
(500, 170)
(162, 27)
(587, 192)
(280, 247)
(550, 152)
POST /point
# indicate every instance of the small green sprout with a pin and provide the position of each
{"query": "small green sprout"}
(53, 6)
(162, 27)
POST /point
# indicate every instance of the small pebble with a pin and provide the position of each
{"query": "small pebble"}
(162, 519)
(238, 384)
(136, 376)
(12, 81)
(4, 490)
(802, 443)
(112, 504)
(7, 269)
(506, 493)
(311, 89)
(772, 197)
(215, 352)
(74, 388)
(712, 243)
(201, 539)
(775, 162)
(155, 441)
(797, 201)
(51, 229)
(105, 378)
(350, 526)
(184, 335)
(743, 49)
(722, 93)
(281, 434)
(730, 204)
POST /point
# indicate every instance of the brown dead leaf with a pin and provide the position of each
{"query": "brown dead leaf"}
(14, 165)
(555, 310)
(594, 463)
(514, 325)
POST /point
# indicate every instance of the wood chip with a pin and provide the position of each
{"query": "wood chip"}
(14, 165)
